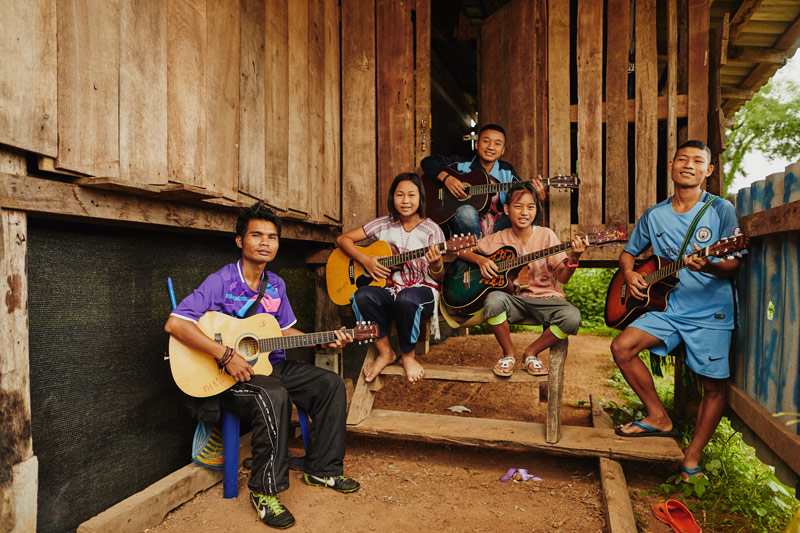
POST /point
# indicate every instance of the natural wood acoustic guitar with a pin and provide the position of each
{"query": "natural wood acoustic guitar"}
(198, 374)
(622, 307)
(465, 289)
(441, 205)
(345, 275)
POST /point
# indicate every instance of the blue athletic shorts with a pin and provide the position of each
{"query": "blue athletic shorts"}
(706, 349)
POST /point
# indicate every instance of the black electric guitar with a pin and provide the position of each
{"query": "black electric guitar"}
(622, 307)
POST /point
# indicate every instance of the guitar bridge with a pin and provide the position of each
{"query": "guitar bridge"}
(466, 279)
(622, 293)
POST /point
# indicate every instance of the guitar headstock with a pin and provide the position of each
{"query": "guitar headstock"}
(461, 242)
(365, 331)
(564, 182)
(728, 247)
(609, 235)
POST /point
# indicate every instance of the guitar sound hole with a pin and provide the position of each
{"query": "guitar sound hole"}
(248, 348)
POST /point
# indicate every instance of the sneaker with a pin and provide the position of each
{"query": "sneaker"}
(337, 483)
(271, 511)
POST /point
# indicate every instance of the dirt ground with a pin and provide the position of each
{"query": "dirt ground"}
(414, 486)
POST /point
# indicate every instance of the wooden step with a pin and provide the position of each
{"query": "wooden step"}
(471, 374)
(575, 440)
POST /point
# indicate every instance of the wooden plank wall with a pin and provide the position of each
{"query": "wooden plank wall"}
(559, 149)
(233, 100)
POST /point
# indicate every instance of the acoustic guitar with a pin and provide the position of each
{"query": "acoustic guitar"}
(198, 374)
(441, 205)
(345, 275)
(622, 307)
(465, 289)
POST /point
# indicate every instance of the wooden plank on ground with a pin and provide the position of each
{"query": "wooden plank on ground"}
(143, 92)
(276, 107)
(672, 85)
(646, 106)
(252, 121)
(186, 91)
(616, 501)
(616, 190)
(463, 373)
(590, 121)
(331, 163)
(575, 440)
(298, 199)
(316, 107)
(29, 89)
(363, 396)
(395, 61)
(699, 20)
(559, 152)
(359, 142)
(222, 93)
(88, 87)
(422, 81)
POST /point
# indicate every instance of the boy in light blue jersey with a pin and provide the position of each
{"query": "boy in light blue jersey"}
(700, 310)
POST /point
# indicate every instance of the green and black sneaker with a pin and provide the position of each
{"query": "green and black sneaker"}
(271, 511)
(337, 483)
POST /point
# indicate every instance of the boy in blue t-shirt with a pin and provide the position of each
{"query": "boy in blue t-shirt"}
(267, 400)
(700, 310)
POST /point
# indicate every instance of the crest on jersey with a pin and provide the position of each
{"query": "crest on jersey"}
(703, 234)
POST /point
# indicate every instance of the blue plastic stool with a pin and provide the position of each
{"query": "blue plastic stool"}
(230, 450)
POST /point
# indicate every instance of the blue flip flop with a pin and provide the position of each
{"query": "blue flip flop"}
(697, 471)
(649, 431)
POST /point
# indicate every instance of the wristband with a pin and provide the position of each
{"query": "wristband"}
(437, 272)
(570, 265)
(444, 181)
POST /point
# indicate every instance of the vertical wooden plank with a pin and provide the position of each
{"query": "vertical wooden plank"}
(252, 119)
(28, 92)
(316, 106)
(491, 60)
(143, 92)
(698, 69)
(559, 153)
(395, 60)
(276, 107)
(222, 92)
(616, 191)
(718, 56)
(646, 105)
(186, 91)
(359, 102)
(298, 199)
(331, 168)
(590, 120)
(672, 85)
(422, 79)
(540, 107)
(683, 61)
(520, 98)
(88, 87)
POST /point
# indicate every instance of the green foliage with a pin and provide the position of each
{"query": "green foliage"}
(769, 123)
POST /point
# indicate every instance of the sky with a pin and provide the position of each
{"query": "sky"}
(756, 166)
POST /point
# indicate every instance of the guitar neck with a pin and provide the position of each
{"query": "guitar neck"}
(491, 188)
(405, 257)
(514, 262)
(669, 269)
(296, 341)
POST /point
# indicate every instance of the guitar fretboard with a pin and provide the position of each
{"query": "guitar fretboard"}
(295, 341)
(514, 262)
(491, 188)
(404, 257)
(669, 269)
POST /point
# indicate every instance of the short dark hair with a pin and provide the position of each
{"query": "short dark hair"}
(416, 180)
(521, 187)
(494, 127)
(257, 211)
(694, 143)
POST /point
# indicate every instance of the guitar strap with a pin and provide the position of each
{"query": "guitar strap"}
(693, 225)
(252, 309)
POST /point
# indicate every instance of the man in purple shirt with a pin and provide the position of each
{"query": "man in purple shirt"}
(267, 400)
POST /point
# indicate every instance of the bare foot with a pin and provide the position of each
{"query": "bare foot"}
(372, 370)
(414, 370)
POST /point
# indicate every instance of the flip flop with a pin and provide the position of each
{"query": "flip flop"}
(677, 516)
(649, 431)
(506, 363)
(697, 471)
(539, 369)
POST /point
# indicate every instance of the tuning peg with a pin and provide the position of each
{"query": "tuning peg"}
(739, 254)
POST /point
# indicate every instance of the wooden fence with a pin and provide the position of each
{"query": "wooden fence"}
(766, 365)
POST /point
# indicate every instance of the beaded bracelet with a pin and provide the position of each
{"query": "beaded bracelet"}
(227, 357)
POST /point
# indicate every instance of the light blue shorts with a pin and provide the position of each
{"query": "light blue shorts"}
(706, 349)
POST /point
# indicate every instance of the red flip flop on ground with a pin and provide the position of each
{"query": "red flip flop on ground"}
(677, 516)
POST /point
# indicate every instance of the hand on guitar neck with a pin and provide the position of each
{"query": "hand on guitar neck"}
(459, 189)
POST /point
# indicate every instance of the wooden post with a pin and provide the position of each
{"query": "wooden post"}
(422, 80)
(363, 396)
(555, 382)
(698, 70)
(19, 493)
(558, 103)
(672, 85)
(616, 190)
(718, 52)
(326, 319)
(646, 106)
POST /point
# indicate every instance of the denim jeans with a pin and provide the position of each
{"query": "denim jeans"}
(466, 220)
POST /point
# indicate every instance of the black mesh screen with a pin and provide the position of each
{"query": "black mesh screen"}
(107, 419)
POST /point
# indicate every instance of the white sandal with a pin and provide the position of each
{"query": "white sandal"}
(538, 367)
(506, 363)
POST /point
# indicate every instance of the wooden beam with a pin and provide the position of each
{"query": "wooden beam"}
(744, 13)
(56, 199)
(681, 109)
(463, 373)
(776, 435)
(758, 55)
(616, 501)
(780, 219)
(736, 92)
(487, 432)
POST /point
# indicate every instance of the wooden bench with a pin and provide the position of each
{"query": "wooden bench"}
(362, 419)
